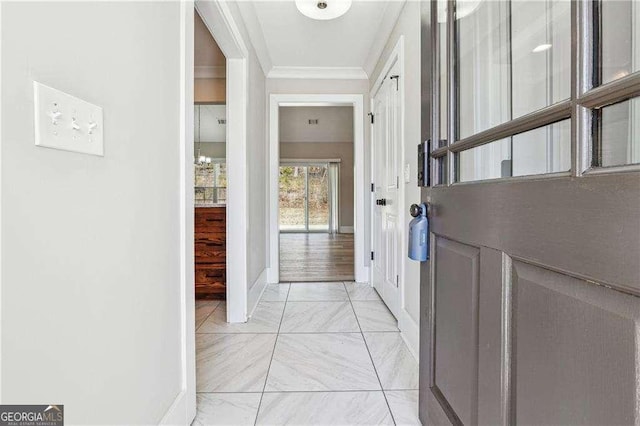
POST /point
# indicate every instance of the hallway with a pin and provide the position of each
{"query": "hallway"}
(316, 257)
(313, 353)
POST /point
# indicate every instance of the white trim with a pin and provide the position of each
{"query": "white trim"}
(396, 55)
(311, 104)
(346, 230)
(256, 34)
(210, 72)
(175, 415)
(310, 160)
(410, 332)
(275, 100)
(390, 17)
(183, 409)
(237, 190)
(319, 73)
(218, 18)
(257, 289)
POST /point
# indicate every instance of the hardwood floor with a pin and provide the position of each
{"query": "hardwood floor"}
(316, 257)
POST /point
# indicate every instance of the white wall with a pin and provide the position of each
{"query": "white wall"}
(306, 86)
(408, 24)
(90, 245)
(335, 124)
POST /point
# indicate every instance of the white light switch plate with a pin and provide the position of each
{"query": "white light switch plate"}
(407, 173)
(65, 122)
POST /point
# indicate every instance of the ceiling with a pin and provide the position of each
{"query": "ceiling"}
(292, 41)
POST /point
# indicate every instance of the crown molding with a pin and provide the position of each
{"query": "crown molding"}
(219, 71)
(318, 73)
(389, 19)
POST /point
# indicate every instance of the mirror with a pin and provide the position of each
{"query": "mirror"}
(210, 132)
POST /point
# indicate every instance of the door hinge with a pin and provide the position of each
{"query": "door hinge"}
(371, 115)
(373, 187)
(397, 280)
(396, 78)
(397, 182)
(372, 256)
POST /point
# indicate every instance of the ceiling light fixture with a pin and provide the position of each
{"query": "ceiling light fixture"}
(541, 48)
(323, 10)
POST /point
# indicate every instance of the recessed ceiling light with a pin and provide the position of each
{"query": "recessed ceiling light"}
(541, 48)
(323, 9)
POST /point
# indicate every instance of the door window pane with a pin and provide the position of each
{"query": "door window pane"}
(293, 198)
(318, 198)
(514, 58)
(442, 79)
(619, 134)
(543, 150)
(619, 38)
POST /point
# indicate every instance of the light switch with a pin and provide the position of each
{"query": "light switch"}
(407, 173)
(65, 122)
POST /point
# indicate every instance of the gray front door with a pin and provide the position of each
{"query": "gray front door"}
(530, 307)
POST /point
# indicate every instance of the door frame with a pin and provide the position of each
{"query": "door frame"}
(219, 20)
(408, 327)
(361, 270)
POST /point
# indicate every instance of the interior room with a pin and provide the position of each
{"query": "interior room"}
(210, 165)
(316, 193)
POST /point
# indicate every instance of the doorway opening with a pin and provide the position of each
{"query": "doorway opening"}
(316, 167)
(315, 193)
(210, 166)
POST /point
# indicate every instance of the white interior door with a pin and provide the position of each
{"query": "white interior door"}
(385, 236)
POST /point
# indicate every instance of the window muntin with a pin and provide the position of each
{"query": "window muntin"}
(514, 58)
(543, 150)
(619, 46)
(589, 94)
(618, 134)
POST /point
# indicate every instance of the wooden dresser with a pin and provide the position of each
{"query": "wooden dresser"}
(211, 252)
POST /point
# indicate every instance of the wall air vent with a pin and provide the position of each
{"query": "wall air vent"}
(313, 121)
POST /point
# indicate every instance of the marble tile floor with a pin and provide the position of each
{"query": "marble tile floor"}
(312, 354)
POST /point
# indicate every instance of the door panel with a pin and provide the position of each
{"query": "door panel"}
(552, 335)
(391, 252)
(589, 228)
(385, 226)
(587, 336)
(456, 326)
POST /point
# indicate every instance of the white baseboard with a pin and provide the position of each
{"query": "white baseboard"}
(177, 412)
(271, 276)
(346, 230)
(410, 332)
(255, 292)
